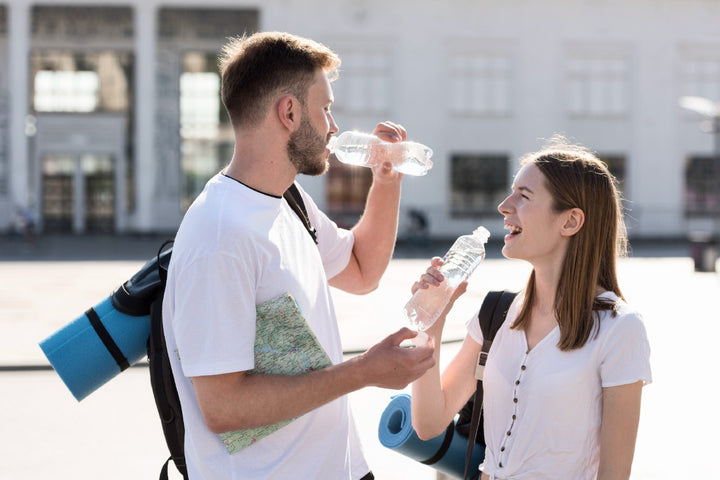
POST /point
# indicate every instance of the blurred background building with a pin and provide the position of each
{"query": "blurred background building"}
(110, 118)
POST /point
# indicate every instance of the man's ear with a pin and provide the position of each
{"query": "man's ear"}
(288, 112)
(574, 220)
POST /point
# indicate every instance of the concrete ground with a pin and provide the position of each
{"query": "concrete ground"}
(115, 434)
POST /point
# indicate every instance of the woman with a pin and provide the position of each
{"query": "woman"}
(565, 372)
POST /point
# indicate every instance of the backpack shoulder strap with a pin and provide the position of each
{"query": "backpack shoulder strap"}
(491, 316)
(162, 381)
(493, 311)
(294, 198)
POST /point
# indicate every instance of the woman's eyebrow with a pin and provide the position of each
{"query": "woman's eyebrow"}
(525, 189)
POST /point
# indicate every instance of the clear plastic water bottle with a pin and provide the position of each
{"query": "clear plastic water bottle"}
(365, 149)
(426, 305)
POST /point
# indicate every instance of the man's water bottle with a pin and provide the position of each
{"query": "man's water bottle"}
(357, 148)
(464, 256)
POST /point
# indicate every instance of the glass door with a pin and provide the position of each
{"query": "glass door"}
(58, 193)
(99, 185)
(78, 193)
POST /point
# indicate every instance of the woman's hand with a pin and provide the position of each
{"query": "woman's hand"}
(432, 276)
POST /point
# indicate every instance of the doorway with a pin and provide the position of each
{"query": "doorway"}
(82, 173)
(78, 193)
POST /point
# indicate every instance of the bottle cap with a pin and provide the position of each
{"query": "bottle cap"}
(482, 233)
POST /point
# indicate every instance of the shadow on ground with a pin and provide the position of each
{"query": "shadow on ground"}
(97, 247)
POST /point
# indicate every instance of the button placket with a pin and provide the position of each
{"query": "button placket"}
(516, 402)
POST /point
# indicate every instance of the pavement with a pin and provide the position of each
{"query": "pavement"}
(115, 433)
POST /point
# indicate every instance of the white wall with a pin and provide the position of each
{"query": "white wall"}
(539, 38)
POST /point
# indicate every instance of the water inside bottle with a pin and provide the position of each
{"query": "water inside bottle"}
(459, 263)
(407, 157)
(426, 305)
(352, 154)
(412, 166)
(415, 159)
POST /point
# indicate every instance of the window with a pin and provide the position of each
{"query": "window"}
(479, 183)
(702, 186)
(364, 83)
(205, 131)
(347, 189)
(199, 105)
(597, 87)
(616, 165)
(66, 91)
(701, 78)
(479, 85)
(80, 82)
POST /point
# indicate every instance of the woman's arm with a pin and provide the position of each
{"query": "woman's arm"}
(437, 398)
(618, 431)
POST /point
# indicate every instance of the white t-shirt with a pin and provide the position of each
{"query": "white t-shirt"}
(543, 409)
(237, 248)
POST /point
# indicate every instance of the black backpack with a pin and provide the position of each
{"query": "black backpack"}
(143, 293)
(491, 316)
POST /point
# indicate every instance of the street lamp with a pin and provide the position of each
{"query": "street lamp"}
(711, 111)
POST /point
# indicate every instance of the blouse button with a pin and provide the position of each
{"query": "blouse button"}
(517, 382)
(523, 367)
(502, 449)
(508, 432)
(500, 465)
(515, 400)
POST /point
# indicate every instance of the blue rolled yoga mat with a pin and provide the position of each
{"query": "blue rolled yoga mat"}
(445, 453)
(96, 346)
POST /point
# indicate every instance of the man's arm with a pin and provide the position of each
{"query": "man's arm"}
(376, 231)
(239, 400)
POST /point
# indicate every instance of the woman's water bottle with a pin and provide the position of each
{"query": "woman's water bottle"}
(426, 305)
(357, 148)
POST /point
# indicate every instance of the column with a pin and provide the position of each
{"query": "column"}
(18, 54)
(145, 168)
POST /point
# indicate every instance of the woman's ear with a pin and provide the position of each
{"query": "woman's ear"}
(574, 220)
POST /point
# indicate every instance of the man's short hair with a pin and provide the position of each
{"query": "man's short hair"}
(257, 68)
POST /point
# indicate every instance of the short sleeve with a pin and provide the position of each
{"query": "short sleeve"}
(625, 353)
(473, 329)
(335, 243)
(214, 321)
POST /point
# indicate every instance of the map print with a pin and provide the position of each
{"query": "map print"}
(284, 345)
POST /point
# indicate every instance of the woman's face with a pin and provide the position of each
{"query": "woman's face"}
(534, 228)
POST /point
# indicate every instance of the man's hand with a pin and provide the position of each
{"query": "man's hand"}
(388, 132)
(388, 365)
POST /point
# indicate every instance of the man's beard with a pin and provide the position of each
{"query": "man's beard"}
(306, 149)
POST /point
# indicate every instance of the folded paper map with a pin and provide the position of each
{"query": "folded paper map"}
(284, 345)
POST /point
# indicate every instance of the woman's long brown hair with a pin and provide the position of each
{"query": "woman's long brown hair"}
(578, 179)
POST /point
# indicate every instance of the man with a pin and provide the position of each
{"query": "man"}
(240, 245)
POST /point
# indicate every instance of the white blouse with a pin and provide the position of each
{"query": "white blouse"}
(543, 408)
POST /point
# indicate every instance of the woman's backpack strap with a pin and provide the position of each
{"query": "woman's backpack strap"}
(491, 316)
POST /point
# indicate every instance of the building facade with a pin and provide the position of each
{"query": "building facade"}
(110, 119)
